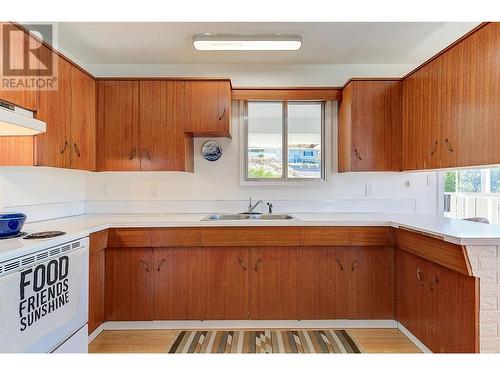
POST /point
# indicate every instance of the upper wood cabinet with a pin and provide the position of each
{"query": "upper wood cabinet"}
(208, 108)
(83, 122)
(53, 148)
(16, 54)
(370, 126)
(162, 140)
(118, 126)
(450, 106)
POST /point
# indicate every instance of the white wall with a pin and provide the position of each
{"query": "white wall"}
(42, 193)
(214, 186)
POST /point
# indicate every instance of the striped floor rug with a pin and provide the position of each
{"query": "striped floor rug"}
(304, 341)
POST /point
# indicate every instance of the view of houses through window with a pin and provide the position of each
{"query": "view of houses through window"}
(296, 127)
(472, 193)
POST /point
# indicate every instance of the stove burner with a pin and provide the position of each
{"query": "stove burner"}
(20, 234)
(43, 235)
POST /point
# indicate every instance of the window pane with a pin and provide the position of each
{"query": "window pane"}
(304, 140)
(450, 182)
(469, 181)
(265, 122)
(495, 180)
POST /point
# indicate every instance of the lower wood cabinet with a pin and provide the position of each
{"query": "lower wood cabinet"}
(438, 305)
(370, 282)
(195, 283)
(96, 288)
(129, 284)
(273, 283)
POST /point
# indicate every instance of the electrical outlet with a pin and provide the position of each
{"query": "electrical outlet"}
(407, 184)
(430, 180)
(104, 190)
(155, 190)
(368, 190)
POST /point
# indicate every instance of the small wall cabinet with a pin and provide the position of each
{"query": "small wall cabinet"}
(369, 135)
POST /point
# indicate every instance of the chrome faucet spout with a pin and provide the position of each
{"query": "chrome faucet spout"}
(253, 207)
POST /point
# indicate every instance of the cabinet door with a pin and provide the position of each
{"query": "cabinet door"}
(118, 126)
(322, 293)
(423, 129)
(413, 302)
(19, 44)
(370, 282)
(96, 288)
(376, 126)
(454, 323)
(201, 283)
(161, 137)
(472, 116)
(208, 108)
(273, 283)
(53, 148)
(129, 284)
(83, 128)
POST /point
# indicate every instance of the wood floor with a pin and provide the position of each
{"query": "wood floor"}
(372, 340)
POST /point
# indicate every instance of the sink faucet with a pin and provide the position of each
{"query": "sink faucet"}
(269, 208)
(251, 208)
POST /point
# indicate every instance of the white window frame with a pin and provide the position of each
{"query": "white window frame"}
(326, 143)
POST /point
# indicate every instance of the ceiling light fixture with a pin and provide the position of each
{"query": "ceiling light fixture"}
(235, 42)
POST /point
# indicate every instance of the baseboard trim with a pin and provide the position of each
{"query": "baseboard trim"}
(413, 339)
(248, 324)
(96, 332)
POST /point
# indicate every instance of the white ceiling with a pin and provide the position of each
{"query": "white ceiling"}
(94, 43)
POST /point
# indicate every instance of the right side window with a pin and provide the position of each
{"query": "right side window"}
(472, 194)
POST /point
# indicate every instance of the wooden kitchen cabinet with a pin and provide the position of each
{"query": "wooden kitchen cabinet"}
(164, 145)
(53, 148)
(273, 283)
(370, 282)
(450, 105)
(322, 282)
(83, 123)
(438, 305)
(370, 126)
(198, 283)
(118, 126)
(19, 43)
(98, 243)
(208, 108)
(129, 284)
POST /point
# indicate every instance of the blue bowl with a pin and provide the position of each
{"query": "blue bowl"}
(11, 224)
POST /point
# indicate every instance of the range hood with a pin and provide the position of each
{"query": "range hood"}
(15, 121)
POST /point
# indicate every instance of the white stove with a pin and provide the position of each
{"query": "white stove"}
(44, 300)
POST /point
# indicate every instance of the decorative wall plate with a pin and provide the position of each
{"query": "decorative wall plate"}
(211, 151)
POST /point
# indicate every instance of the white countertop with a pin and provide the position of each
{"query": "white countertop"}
(452, 230)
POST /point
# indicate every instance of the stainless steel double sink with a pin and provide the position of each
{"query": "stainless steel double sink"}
(223, 217)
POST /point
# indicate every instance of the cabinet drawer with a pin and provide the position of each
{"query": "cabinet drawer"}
(370, 236)
(98, 240)
(164, 237)
(255, 236)
(325, 236)
(129, 238)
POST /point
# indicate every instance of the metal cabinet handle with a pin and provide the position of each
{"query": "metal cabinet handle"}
(64, 148)
(256, 268)
(434, 281)
(144, 265)
(357, 154)
(242, 264)
(147, 154)
(354, 264)
(159, 265)
(450, 149)
(434, 148)
(340, 264)
(132, 154)
(222, 114)
(77, 150)
(419, 277)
